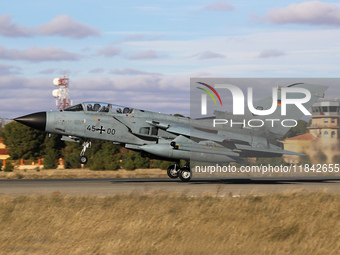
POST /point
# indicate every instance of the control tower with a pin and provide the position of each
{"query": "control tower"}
(325, 119)
(322, 143)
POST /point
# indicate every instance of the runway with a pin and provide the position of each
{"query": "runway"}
(216, 187)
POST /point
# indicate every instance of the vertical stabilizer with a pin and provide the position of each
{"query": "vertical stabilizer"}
(278, 124)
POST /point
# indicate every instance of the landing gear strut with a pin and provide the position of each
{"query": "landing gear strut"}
(175, 171)
(82, 158)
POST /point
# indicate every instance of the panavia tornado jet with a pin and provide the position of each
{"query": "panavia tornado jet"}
(222, 138)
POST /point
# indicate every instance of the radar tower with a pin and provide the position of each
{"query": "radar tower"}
(62, 93)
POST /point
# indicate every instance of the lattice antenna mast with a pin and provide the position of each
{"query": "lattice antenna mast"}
(62, 93)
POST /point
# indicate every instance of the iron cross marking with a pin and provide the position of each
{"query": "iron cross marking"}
(101, 130)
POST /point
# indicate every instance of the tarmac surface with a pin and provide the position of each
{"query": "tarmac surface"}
(196, 187)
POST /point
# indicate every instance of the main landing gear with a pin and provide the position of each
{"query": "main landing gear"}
(82, 158)
(175, 171)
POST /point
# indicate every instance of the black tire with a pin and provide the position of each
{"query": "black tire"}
(172, 172)
(185, 174)
(83, 159)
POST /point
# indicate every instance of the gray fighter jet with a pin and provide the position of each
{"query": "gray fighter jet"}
(172, 138)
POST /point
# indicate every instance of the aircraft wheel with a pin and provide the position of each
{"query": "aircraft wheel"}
(185, 174)
(83, 159)
(173, 172)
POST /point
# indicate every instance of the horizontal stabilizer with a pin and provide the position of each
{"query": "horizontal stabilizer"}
(260, 152)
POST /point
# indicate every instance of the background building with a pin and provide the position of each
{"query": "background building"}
(3, 150)
(325, 119)
(322, 141)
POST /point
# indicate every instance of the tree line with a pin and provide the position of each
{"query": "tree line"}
(30, 144)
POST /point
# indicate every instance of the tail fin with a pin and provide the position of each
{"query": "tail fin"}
(277, 128)
(275, 124)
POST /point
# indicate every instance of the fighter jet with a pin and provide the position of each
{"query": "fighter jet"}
(173, 138)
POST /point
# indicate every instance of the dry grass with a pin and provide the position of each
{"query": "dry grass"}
(294, 223)
(33, 172)
(29, 173)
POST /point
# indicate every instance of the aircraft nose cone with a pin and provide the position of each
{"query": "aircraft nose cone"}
(34, 120)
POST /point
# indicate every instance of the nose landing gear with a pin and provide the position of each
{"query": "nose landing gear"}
(82, 158)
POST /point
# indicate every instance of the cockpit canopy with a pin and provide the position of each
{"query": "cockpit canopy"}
(99, 107)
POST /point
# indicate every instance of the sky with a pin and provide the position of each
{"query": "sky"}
(142, 54)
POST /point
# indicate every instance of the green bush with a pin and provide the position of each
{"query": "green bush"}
(134, 160)
(71, 155)
(114, 164)
(103, 155)
(23, 142)
(8, 167)
(128, 164)
(141, 162)
(105, 160)
(97, 163)
(50, 161)
(162, 164)
(72, 161)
